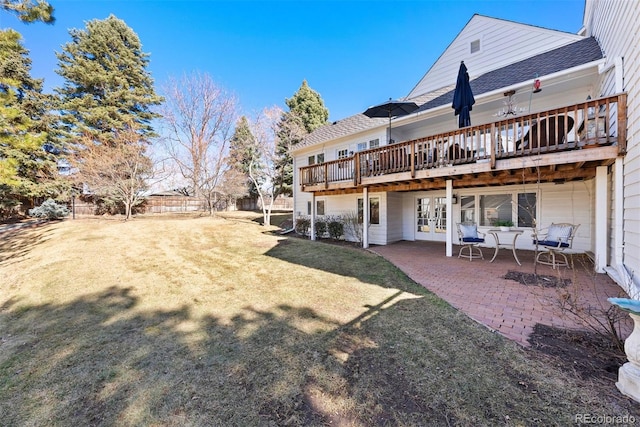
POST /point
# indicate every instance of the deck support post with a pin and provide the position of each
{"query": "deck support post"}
(449, 221)
(312, 229)
(601, 205)
(365, 217)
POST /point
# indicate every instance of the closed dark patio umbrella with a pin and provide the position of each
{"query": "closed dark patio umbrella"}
(391, 109)
(463, 97)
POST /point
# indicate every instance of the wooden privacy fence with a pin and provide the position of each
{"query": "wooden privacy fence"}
(182, 204)
(164, 204)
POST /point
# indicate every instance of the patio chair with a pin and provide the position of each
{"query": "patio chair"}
(553, 242)
(551, 137)
(470, 239)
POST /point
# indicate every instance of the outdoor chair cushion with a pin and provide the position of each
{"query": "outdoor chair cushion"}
(469, 231)
(472, 239)
(552, 243)
(559, 233)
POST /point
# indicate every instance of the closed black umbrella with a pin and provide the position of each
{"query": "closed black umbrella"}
(391, 109)
(463, 97)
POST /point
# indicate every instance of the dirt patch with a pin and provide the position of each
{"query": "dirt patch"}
(545, 281)
(586, 355)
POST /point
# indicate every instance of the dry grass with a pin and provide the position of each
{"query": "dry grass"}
(210, 321)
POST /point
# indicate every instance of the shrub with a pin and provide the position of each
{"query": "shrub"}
(335, 228)
(9, 208)
(352, 226)
(49, 210)
(321, 228)
(303, 224)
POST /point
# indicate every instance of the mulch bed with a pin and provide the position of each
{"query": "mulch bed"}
(545, 281)
(589, 356)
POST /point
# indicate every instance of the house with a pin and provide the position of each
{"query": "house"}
(569, 152)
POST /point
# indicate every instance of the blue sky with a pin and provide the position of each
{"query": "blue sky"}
(354, 53)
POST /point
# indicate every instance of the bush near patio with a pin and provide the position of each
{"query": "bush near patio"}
(212, 321)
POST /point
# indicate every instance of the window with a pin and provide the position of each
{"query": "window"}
(362, 146)
(319, 207)
(475, 46)
(527, 204)
(374, 210)
(468, 209)
(374, 143)
(495, 207)
(318, 158)
(343, 154)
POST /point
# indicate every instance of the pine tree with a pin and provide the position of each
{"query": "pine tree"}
(242, 151)
(306, 113)
(107, 94)
(106, 84)
(309, 106)
(27, 158)
(29, 10)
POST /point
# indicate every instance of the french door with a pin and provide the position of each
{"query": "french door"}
(431, 218)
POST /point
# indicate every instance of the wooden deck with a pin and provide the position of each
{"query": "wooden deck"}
(558, 145)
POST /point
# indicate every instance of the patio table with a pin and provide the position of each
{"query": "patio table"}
(496, 233)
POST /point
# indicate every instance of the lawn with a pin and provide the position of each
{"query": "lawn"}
(210, 321)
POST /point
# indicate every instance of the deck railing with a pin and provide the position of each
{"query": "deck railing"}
(596, 122)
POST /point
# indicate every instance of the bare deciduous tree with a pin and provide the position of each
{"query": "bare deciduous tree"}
(117, 171)
(266, 173)
(233, 185)
(200, 116)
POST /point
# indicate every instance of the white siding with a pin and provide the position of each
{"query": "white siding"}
(394, 217)
(408, 217)
(570, 202)
(616, 25)
(502, 43)
(348, 204)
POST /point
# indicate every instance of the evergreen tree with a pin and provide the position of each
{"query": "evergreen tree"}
(106, 84)
(243, 150)
(306, 113)
(309, 106)
(29, 10)
(107, 95)
(27, 158)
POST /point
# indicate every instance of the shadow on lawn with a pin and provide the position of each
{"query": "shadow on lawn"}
(18, 241)
(103, 360)
(353, 262)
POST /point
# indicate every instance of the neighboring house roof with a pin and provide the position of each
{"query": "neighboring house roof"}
(565, 57)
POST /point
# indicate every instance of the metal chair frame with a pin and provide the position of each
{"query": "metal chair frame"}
(553, 252)
(474, 251)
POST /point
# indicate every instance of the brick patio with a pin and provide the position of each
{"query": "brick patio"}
(479, 289)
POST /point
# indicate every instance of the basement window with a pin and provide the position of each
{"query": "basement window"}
(519, 208)
(374, 210)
